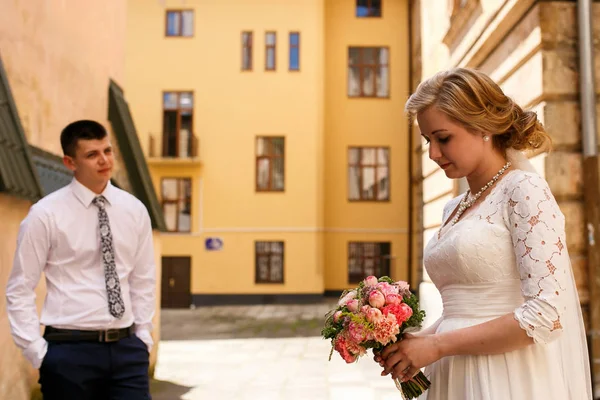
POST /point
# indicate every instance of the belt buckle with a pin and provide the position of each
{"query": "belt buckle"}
(111, 335)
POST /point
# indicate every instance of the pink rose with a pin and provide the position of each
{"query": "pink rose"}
(336, 316)
(352, 305)
(349, 296)
(386, 288)
(374, 315)
(393, 299)
(365, 309)
(376, 299)
(371, 280)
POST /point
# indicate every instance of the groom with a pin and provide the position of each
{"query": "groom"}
(93, 242)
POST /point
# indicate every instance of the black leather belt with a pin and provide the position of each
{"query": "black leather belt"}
(52, 334)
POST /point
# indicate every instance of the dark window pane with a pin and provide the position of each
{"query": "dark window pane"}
(294, 39)
(270, 58)
(375, 10)
(368, 55)
(294, 58)
(173, 23)
(278, 176)
(354, 55)
(170, 133)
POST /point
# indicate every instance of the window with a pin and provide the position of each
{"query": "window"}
(176, 194)
(269, 262)
(368, 174)
(246, 51)
(368, 8)
(178, 111)
(180, 23)
(294, 51)
(270, 43)
(365, 259)
(368, 72)
(270, 157)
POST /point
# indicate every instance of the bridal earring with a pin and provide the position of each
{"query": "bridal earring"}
(486, 138)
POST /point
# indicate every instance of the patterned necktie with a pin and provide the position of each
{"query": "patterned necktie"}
(113, 287)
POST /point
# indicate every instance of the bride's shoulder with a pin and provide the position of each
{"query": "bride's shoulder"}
(524, 181)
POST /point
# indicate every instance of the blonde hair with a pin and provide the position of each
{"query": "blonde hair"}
(474, 100)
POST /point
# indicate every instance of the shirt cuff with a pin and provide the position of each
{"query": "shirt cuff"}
(36, 351)
(145, 337)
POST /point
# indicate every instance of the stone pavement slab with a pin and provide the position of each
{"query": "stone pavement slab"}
(265, 368)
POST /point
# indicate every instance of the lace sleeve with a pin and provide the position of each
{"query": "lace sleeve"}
(537, 229)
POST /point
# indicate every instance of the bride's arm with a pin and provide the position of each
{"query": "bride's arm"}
(497, 336)
(536, 225)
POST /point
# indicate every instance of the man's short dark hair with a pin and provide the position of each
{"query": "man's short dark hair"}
(84, 129)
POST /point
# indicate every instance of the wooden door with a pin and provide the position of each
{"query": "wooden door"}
(176, 274)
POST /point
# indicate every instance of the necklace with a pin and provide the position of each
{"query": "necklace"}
(468, 200)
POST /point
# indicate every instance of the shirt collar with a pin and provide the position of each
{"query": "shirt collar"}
(86, 196)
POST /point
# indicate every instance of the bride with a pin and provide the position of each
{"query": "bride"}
(511, 327)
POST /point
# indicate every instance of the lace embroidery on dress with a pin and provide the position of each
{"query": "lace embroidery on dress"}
(537, 229)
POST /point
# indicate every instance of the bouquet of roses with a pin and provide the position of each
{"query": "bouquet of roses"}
(371, 316)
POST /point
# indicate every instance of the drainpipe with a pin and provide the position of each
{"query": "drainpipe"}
(590, 179)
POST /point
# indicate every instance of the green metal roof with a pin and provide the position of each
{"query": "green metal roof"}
(51, 171)
(17, 172)
(135, 162)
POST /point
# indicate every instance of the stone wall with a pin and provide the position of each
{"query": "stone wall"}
(530, 48)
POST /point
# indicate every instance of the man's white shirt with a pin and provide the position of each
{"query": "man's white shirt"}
(60, 238)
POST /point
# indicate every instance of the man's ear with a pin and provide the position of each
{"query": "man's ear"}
(69, 163)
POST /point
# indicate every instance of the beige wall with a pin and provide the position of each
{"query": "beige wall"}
(17, 375)
(365, 122)
(59, 55)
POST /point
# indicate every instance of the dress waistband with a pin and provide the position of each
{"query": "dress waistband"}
(481, 300)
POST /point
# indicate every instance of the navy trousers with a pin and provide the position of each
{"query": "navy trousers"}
(96, 371)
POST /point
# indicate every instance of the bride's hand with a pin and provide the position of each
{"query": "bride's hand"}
(406, 357)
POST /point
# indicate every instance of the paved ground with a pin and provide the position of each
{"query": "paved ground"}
(258, 352)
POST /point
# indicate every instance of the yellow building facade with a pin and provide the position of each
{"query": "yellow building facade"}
(276, 139)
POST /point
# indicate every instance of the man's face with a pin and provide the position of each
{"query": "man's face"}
(92, 163)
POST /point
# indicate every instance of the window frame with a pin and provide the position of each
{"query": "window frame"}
(268, 254)
(384, 266)
(178, 127)
(369, 8)
(361, 67)
(251, 50)
(179, 13)
(375, 166)
(291, 47)
(181, 196)
(269, 46)
(270, 156)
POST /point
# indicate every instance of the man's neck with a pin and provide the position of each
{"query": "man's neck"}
(97, 189)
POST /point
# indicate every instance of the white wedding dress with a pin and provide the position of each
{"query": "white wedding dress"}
(508, 255)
